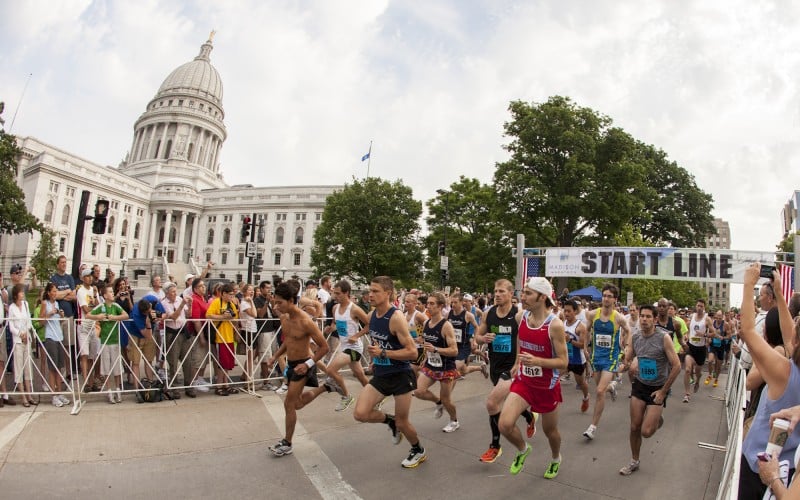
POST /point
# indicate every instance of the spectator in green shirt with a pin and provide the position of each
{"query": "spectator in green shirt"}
(109, 314)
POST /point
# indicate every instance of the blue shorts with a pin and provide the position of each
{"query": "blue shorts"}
(605, 365)
(464, 350)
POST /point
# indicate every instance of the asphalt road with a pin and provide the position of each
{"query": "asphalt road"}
(215, 447)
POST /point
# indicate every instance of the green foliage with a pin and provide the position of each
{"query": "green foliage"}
(14, 215)
(573, 179)
(45, 258)
(787, 244)
(369, 228)
(477, 249)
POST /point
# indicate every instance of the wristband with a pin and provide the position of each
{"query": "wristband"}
(310, 363)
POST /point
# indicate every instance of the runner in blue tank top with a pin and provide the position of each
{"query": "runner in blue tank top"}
(607, 331)
(392, 349)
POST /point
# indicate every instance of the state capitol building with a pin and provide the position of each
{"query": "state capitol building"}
(169, 209)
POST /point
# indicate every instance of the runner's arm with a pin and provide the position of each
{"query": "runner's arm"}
(580, 343)
(450, 339)
(674, 363)
(560, 359)
(480, 333)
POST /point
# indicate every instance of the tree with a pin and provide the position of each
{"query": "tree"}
(786, 246)
(14, 215)
(574, 179)
(369, 228)
(478, 252)
(45, 257)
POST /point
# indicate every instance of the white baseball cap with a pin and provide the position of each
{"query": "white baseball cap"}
(542, 286)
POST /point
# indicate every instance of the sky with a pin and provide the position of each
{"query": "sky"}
(308, 85)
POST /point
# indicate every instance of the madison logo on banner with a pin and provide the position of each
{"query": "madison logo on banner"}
(685, 264)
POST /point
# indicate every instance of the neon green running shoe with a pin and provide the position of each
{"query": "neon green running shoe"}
(519, 461)
(552, 469)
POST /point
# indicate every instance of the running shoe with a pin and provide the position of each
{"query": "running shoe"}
(485, 370)
(283, 389)
(397, 436)
(553, 468)
(57, 402)
(491, 455)
(584, 405)
(519, 461)
(380, 403)
(716, 382)
(282, 448)
(452, 426)
(686, 398)
(63, 399)
(691, 381)
(589, 432)
(708, 380)
(344, 403)
(630, 468)
(332, 386)
(530, 431)
(439, 411)
(612, 388)
(415, 457)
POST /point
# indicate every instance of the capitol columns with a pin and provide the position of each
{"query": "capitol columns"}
(167, 228)
(195, 243)
(179, 257)
(151, 246)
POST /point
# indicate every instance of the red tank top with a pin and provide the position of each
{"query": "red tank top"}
(536, 341)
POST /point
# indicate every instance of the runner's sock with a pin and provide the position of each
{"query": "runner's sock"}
(528, 415)
(495, 425)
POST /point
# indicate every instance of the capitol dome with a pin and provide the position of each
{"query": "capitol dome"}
(197, 77)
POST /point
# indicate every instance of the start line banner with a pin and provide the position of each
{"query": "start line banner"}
(682, 264)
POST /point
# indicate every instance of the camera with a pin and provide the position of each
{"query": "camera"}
(766, 271)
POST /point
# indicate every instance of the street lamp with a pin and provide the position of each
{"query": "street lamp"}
(443, 267)
(283, 270)
(124, 260)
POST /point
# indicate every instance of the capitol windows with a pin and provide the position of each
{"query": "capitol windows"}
(173, 235)
(318, 216)
(124, 231)
(48, 212)
(298, 235)
(54, 187)
(62, 244)
(110, 225)
(299, 217)
(296, 257)
(161, 235)
(279, 235)
(241, 258)
(94, 248)
(108, 251)
(224, 258)
(277, 259)
(226, 235)
(121, 252)
(210, 239)
(136, 230)
(65, 216)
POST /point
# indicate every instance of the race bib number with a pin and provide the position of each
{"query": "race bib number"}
(502, 344)
(341, 328)
(716, 342)
(434, 359)
(603, 341)
(647, 369)
(532, 371)
(458, 334)
(696, 340)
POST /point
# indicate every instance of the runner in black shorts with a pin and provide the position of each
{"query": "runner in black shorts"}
(499, 331)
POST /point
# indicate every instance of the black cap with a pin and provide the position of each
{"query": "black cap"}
(16, 268)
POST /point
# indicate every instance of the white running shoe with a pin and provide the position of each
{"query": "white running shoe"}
(57, 402)
(452, 426)
(589, 432)
(415, 457)
(630, 468)
(64, 400)
(612, 388)
(344, 403)
(282, 448)
(282, 389)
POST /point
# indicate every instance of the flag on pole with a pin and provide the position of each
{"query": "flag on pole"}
(365, 157)
(531, 268)
(787, 281)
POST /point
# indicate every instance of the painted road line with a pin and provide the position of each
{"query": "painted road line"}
(319, 469)
(15, 428)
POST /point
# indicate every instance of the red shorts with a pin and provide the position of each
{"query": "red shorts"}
(541, 400)
(226, 356)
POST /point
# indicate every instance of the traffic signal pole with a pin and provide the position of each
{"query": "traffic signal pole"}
(80, 225)
(252, 240)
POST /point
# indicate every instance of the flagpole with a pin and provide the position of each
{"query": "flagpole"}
(369, 158)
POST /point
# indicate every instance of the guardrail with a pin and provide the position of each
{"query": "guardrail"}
(735, 400)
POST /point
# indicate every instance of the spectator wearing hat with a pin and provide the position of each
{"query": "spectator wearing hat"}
(189, 277)
(88, 341)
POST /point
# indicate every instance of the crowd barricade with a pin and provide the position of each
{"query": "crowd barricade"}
(735, 400)
(197, 358)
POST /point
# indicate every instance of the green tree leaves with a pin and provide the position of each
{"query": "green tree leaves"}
(14, 215)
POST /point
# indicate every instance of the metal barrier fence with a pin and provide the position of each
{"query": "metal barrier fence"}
(735, 400)
(194, 356)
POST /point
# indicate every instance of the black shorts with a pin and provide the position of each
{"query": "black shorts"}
(394, 384)
(56, 355)
(576, 369)
(464, 350)
(717, 351)
(310, 376)
(500, 373)
(353, 354)
(645, 393)
(698, 353)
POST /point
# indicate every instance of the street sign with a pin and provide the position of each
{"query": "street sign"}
(250, 251)
(443, 262)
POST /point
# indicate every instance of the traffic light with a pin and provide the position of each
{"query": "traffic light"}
(246, 229)
(100, 217)
(444, 275)
(441, 248)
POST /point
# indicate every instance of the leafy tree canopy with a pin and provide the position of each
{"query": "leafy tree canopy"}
(14, 215)
(369, 228)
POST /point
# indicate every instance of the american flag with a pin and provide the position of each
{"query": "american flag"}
(531, 268)
(787, 281)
